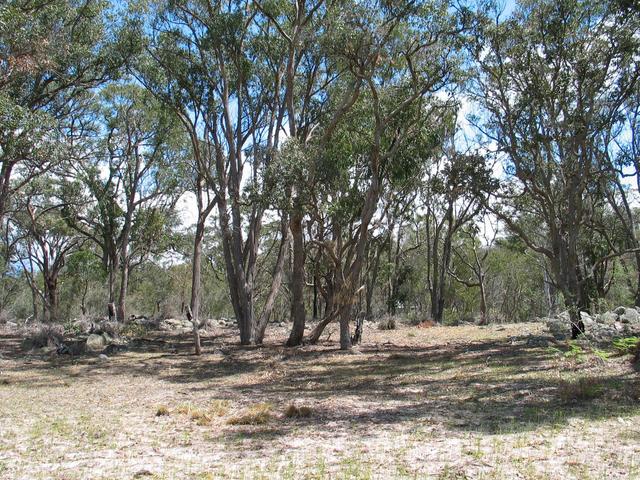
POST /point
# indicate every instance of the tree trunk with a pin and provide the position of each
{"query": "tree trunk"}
(196, 332)
(483, 302)
(345, 333)
(53, 299)
(112, 264)
(298, 313)
(83, 300)
(193, 310)
(124, 285)
(35, 299)
(278, 272)
(239, 290)
(314, 335)
(315, 298)
(373, 277)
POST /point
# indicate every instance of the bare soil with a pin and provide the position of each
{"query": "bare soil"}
(496, 402)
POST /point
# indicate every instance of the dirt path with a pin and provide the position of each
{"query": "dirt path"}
(447, 403)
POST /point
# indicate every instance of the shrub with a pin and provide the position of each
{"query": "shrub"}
(258, 414)
(196, 414)
(200, 417)
(387, 322)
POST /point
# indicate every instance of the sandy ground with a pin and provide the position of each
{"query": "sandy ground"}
(504, 402)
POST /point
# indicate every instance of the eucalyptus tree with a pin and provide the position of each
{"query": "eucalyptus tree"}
(43, 242)
(51, 51)
(471, 252)
(551, 77)
(620, 158)
(402, 58)
(307, 71)
(451, 196)
(221, 68)
(121, 195)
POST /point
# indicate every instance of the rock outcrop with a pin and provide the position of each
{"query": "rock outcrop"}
(600, 329)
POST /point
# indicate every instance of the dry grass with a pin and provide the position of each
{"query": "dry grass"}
(294, 411)
(258, 414)
(219, 408)
(496, 402)
(162, 410)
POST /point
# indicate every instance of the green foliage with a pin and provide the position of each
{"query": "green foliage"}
(626, 346)
(575, 351)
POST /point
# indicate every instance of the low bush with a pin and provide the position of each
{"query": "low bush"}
(219, 408)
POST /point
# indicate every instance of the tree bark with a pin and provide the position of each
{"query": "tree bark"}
(196, 332)
(278, 273)
(345, 333)
(298, 313)
(193, 310)
(124, 285)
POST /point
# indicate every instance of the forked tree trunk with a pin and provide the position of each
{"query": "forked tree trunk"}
(483, 302)
(278, 273)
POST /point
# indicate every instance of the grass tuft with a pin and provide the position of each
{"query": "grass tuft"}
(584, 388)
(161, 411)
(257, 414)
(293, 411)
(219, 408)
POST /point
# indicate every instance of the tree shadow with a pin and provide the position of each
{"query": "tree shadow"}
(511, 384)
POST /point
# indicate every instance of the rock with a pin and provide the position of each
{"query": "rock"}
(103, 358)
(559, 328)
(175, 324)
(95, 342)
(587, 320)
(630, 315)
(618, 326)
(107, 338)
(620, 310)
(607, 318)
